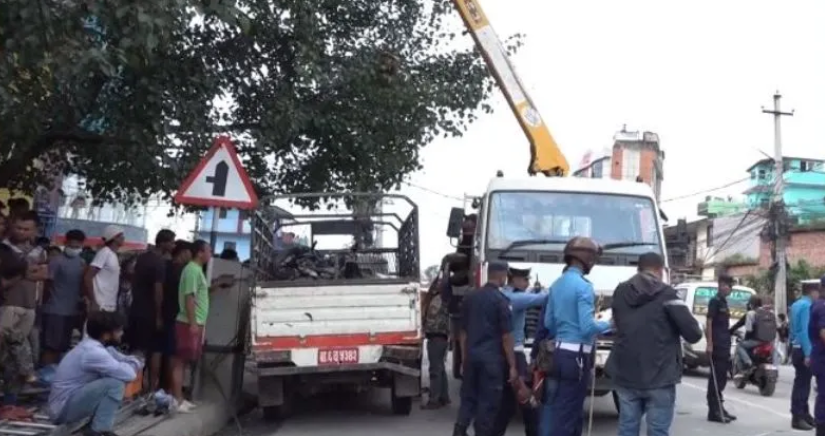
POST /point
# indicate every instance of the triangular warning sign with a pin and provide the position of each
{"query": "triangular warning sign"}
(219, 180)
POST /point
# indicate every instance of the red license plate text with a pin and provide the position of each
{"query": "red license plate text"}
(337, 356)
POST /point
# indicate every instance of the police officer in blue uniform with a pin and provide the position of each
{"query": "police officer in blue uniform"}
(801, 345)
(489, 359)
(570, 321)
(718, 337)
(816, 334)
(518, 281)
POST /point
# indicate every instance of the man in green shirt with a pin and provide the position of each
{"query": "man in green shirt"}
(193, 296)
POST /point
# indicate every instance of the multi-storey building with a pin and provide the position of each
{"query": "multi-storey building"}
(634, 156)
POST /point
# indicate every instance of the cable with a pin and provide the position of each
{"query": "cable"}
(728, 185)
(715, 250)
(431, 191)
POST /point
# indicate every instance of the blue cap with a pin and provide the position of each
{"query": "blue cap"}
(497, 266)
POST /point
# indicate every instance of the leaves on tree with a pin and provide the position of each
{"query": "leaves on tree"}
(322, 95)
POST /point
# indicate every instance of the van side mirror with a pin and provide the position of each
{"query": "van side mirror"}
(454, 225)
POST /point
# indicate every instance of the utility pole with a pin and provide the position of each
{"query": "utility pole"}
(778, 216)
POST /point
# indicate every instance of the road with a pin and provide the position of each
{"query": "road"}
(369, 414)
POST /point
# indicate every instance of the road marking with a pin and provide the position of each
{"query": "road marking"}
(741, 401)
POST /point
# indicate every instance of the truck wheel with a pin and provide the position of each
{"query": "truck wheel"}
(400, 405)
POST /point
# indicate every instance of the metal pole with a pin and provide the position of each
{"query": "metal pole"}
(778, 208)
(213, 235)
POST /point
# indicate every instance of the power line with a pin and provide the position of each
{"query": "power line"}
(432, 191)
(694, 194)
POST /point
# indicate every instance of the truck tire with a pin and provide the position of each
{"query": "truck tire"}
(400, 405)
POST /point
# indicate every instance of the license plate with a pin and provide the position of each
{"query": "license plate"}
(337, 356)
(770, 368)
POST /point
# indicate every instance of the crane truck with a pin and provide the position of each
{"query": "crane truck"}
(527, 221)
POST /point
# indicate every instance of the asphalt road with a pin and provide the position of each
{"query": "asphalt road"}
(368, 413)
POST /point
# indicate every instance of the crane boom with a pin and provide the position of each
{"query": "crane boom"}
(545, 156)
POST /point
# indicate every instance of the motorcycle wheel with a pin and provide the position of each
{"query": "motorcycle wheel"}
(766, 389)
(741, 383)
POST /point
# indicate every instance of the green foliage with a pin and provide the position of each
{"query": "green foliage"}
(323, 95)
(801, 270)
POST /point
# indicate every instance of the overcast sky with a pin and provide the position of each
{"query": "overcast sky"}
(697, 73)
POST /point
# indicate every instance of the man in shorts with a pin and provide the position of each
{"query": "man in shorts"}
(62, 298)
(193, 297)
(145, 331)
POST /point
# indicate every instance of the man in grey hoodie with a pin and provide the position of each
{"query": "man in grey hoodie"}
(646, 360)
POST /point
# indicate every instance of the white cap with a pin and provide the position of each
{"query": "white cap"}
(111, 232)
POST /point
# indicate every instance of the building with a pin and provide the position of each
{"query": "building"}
(234, 229)
(67, 206)
(804, 190)
(76, 209)
(714, 207)
(634, 156)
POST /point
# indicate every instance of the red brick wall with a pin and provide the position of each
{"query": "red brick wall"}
(808, 246)
(616, 170)
(647, 162)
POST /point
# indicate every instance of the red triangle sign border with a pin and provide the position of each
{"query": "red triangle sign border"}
(226, 143)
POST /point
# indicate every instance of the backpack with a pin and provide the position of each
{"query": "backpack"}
(436, 320)
(764, 325)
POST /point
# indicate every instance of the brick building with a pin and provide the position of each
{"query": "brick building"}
(805, 244)
(634, 155)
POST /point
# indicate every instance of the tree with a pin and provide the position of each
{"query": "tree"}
(323, 95)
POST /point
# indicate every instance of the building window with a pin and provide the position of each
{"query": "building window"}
(597, 170)
(222, 213)
(761, 174)
(806, 166)
(709, 235)
(630, 163)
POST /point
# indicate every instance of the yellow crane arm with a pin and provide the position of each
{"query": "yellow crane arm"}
(545, 156)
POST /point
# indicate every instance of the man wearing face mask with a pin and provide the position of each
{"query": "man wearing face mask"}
(62, 298)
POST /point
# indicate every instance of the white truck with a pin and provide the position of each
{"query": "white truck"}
(328, 318)
(528, 221)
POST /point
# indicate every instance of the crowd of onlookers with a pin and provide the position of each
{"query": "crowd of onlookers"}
(136, 314)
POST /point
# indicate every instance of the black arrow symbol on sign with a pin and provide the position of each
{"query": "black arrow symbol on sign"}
(218, 180)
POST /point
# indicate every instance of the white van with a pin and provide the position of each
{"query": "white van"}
(697, 295)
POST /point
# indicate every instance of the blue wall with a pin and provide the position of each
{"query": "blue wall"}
(804, 192)
(227, 230)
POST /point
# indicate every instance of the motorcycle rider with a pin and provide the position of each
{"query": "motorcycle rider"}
(744, 347)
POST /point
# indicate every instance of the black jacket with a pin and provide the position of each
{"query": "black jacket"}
(649, 318)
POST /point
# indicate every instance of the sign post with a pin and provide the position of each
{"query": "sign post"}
(219, 181)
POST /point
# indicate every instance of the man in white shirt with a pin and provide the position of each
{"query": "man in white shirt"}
(102, 278)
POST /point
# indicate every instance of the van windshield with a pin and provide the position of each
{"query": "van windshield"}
(737, 301)
(559, 216)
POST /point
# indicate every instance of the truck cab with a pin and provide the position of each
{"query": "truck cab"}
(527, 222)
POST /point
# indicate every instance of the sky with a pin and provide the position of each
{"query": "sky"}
(697, 73)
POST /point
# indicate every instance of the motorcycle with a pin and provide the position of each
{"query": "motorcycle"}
(762, 373)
